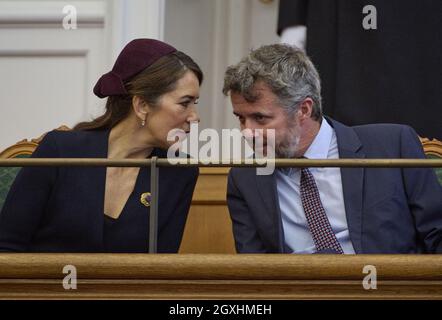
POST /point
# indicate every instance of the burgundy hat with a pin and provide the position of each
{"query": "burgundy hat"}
(135, 57)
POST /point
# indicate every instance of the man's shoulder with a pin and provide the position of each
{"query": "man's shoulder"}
(384, 133)
(381, 129)
(389, 140)
(379, 139)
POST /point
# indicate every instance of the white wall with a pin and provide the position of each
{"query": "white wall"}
(217, 33)
(47, 73)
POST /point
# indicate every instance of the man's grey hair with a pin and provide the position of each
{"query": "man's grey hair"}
(286, 69)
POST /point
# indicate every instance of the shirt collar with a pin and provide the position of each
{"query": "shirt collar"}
(320, 146)
(318, 149)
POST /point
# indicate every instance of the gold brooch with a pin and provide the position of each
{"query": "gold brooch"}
(145, 198)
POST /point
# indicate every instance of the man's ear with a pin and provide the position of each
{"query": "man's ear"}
(305, 109)
(141, 108)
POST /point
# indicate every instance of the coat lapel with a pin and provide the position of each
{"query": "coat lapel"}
(266, 185)
(96, 147)
(350, 146)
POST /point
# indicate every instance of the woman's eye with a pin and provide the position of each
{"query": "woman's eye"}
(186, 103)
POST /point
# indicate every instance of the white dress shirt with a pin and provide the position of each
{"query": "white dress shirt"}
(328, 180)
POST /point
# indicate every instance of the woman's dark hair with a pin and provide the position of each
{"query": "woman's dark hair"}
(150, 84)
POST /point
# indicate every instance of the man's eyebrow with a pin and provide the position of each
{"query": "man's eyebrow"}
(259, 114)
(254, 114)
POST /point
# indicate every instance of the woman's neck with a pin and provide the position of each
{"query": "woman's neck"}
(128, 141)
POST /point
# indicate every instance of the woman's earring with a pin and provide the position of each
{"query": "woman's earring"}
(143, 122)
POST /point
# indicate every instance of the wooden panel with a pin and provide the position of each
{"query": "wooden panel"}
(211, 186)
(209, 228)
(117, 276)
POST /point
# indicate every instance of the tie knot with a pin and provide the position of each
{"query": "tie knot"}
(306, 172)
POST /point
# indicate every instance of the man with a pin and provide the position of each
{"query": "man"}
(325, 210)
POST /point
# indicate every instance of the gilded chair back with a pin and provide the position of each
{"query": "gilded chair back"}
(433, 150)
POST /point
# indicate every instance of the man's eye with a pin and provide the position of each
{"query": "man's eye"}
(241, 119)
(259, 118)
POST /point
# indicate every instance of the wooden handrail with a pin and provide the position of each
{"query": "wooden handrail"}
(272, 276)
(220, 266)
(162, 162)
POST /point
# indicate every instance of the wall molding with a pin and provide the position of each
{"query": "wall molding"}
(33, 31)
(43, 53)
(122, 27)
(231, 34)
(49, 14)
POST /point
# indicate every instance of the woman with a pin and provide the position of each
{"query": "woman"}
(152, 89)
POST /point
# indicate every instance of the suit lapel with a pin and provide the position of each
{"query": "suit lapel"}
(350, 146)
(266, 185)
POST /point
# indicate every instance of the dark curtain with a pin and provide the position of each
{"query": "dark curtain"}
(389, 75)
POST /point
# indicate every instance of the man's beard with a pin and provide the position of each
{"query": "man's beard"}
(288, 146)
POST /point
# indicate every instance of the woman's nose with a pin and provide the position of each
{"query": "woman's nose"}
(193, 116)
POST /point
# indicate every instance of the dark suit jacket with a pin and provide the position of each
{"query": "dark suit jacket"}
(396, 210)
(60, 209)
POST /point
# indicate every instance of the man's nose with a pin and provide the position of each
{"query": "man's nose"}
(249, 124)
